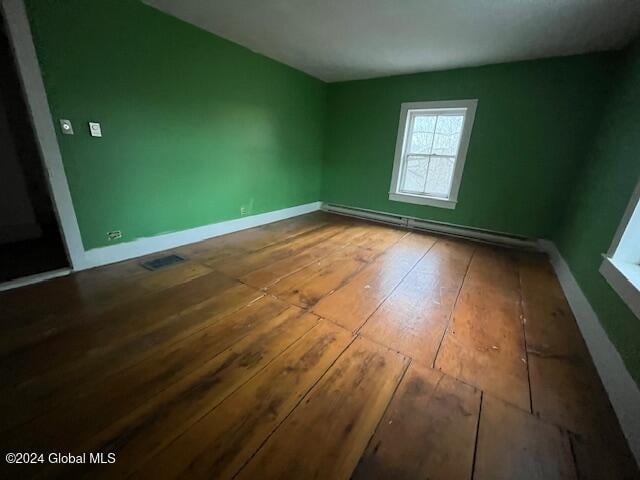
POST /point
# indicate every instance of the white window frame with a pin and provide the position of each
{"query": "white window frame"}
(621, 264)
(469, 116)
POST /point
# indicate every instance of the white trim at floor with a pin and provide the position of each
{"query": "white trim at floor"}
(145, 246)
(486, 236)
(622, 389)
(31, 279)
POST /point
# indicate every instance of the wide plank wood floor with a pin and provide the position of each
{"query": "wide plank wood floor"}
(316, 347)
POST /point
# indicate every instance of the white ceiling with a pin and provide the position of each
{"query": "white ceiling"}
(337, 40)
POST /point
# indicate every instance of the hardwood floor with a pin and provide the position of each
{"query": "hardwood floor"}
(316, 347)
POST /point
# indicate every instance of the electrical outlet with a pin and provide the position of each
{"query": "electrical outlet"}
(247, 208)
(66, 126)
(114, 235)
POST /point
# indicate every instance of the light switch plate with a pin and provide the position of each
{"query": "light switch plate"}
(94, 129)
(66, 126)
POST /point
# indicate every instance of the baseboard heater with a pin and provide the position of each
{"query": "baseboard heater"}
(413, 223)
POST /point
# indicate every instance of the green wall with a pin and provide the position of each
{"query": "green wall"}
(194, 126)
(528, 139)
(599, 197)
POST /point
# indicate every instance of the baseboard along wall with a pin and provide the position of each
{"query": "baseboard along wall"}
(480, 235)
(145, 246)
(621, 388)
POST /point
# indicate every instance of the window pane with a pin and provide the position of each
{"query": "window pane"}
(429, 156)
(421, 135)
(415, 174)
(424, 123)
(439, 176)
(421, 143)
(447, 136)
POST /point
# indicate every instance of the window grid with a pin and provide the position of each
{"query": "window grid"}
(431, 150)
(442, 189)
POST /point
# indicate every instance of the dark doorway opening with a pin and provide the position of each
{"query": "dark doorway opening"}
(30, 240)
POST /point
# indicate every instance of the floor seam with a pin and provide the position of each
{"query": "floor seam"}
(384, 412)
(195, 421)
(295, 407)
(523, 323)
(357, 331)
(82, 392)
(475, 447)
(453, 309)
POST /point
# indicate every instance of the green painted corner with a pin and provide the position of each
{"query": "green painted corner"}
(528, 139)
(603, 187)
(194, 126)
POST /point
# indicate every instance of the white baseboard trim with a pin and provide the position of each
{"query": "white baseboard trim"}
(145, 246)
(31, 279)
(622, 389)
(485, 236)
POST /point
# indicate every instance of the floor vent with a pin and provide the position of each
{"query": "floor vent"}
(162, 262)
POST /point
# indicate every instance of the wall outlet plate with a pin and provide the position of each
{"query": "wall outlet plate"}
(114, 235)
(66, 126)
(247, 208)
(94, 129)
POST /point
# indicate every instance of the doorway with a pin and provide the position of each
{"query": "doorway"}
(30, 239)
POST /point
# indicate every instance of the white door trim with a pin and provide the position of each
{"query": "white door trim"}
(24, 52)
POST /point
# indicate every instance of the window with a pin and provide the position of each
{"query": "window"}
(621, 265)
(430, 151)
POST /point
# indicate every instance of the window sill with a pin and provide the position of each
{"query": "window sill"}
(420, 200)
(624, 278)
